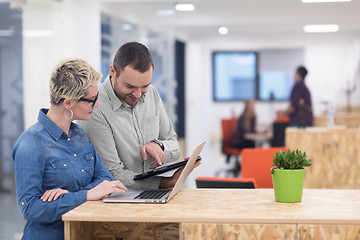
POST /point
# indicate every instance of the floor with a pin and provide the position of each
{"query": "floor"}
(12, 222)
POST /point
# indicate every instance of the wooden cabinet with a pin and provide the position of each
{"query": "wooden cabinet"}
(195, 231)
(350, 120)
(334, 152)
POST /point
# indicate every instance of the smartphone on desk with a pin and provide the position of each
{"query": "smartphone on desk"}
(162, 169)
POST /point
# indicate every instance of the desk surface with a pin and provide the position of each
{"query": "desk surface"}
(318, 206)
(257, 136)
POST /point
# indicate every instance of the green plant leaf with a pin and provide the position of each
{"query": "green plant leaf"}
(291, 159)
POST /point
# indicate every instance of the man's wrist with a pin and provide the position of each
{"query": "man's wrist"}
(159, 143)
(167, 182)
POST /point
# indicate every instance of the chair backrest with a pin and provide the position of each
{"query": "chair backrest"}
(217, 182)
(278, 139)
(257, 164)
(282, 119)
(227, 127)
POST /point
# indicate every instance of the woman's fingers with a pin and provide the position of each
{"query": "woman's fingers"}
(118, 186)
(59, 192)
(104, 189)
(45, 196)
(53, 194)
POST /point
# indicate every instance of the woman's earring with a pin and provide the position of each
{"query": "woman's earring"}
(72, 114)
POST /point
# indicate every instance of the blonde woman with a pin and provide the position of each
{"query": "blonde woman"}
(56, 167)
(245, 124)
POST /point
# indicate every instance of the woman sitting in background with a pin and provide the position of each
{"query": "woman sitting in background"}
(245, 124)
(56, 167)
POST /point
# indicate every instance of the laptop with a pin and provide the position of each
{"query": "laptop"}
(157, 195)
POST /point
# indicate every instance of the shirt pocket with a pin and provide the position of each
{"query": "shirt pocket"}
(89, 163)
(63, 170)
(151, 128)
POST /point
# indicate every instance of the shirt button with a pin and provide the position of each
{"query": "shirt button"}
(64, 164)
(82, 170)
(74, 154)
(81, 187)
(22, 203)
(68, 139)
(92, 158)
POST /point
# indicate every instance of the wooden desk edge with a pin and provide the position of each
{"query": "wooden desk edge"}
(349, 194)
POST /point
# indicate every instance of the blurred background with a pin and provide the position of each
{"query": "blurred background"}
(265, 39)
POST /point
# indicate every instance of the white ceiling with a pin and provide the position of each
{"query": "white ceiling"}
(250, 19)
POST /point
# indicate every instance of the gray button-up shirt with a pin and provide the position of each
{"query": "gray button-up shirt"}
(118, 130)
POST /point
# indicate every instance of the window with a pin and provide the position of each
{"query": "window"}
(275, 85)
(235, 75)
(276, 73)
(265, 75)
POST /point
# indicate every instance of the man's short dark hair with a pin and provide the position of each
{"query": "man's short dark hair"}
(301, 70)
(135, 55)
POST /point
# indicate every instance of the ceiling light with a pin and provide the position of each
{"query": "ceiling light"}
(321, 28)
(185, 7)
(223, 30)
(322, 1)
(127, 27)
(165, 12)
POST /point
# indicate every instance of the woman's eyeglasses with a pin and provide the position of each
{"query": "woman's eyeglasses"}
(90, 100)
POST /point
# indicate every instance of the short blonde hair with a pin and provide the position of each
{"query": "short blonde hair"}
(72, 79)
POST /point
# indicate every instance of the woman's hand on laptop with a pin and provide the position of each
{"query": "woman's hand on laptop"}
(169, 182)
(53, 194)
(104, 189)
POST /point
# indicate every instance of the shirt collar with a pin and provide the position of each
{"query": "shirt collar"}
(51, 127)
(115, 101)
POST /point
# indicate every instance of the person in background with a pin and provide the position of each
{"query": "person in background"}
(131, 129)
(246, 124)
(56, 167)
(300, 109)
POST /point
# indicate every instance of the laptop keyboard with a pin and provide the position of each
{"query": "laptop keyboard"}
(152, 194)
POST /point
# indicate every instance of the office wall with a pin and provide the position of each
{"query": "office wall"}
(76, 26)
(330, 66)
(55, 31)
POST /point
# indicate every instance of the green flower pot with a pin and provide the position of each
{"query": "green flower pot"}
(288, 184)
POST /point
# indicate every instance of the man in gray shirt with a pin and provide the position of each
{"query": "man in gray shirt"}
(131, 130)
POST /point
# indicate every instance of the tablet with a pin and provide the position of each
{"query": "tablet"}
(162, 169)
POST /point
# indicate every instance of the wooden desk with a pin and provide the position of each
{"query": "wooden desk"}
(222, 214)
(260, 139)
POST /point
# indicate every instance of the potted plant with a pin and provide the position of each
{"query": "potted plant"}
(288, 175)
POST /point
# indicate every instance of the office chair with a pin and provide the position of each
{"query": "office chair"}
(279, 126)
(216, 182)
(227, 127)
(257, 164)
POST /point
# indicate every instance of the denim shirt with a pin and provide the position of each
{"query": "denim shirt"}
(47, 158)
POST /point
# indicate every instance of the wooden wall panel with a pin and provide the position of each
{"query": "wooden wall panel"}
(325, 232)
(78, 230)
(350, 120)
(126, 231)
(198, 231)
